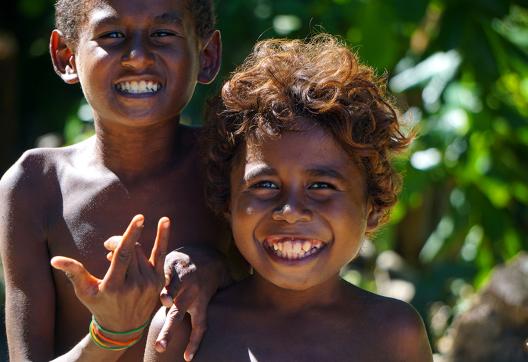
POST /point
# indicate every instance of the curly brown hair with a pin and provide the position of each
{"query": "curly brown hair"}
(70, 15)
(320, 80)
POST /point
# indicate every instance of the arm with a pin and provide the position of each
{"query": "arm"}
(30, 293)
(30, 296)
(176, 347)
(125, 298)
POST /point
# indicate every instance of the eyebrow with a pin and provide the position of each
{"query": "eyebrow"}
(105, 20)
(323, 171)
(169, 18)
(258, 171)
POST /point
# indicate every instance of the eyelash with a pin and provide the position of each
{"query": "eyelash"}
(110, 35)
(326, 186)
(264, 185)
(313, 186)
(164, 32)
(118, 35)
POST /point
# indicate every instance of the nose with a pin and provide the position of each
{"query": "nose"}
(292, 211)
(138, 55)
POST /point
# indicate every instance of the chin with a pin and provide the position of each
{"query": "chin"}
(292, 284)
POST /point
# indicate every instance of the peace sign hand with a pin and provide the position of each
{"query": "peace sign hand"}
(129, 292)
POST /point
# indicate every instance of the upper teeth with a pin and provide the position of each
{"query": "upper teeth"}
(138, 87)
(291, 248)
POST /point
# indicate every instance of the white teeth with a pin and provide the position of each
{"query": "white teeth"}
(293, 249)
(135, 87)
(307, 246)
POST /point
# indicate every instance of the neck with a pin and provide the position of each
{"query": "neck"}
(133, 152)
(288, 301)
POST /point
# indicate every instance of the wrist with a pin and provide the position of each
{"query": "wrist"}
(114, 340)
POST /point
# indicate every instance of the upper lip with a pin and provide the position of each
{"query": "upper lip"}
(276, 237)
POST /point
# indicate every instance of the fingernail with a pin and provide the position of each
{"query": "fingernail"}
(189, 357)
(162, 344)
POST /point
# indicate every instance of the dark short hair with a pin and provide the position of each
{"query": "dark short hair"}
(70, 15)
(320, 80)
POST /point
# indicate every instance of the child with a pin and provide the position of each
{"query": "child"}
(298, 161)
(137, 63)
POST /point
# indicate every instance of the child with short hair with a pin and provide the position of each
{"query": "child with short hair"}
(138, 63)
(298, 160)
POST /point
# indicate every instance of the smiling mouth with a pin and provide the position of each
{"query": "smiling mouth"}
(293, 248)
(141, 87)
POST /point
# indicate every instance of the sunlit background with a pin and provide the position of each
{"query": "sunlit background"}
(458, 70)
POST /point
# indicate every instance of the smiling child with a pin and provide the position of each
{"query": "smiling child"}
(138, 63)
(298, 160)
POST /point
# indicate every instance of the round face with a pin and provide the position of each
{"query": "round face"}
(138, 61)
(298, 208)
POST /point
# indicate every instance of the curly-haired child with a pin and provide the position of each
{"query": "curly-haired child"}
(298, 160)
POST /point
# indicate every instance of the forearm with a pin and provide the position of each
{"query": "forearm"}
(87, 350)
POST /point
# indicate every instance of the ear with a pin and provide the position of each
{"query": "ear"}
(373, 218)
(210, 58)
(63, 58)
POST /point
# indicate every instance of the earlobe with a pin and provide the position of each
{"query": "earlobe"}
(210, 58)
(63, 58)
(373, 219)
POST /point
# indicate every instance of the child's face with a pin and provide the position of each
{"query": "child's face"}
(138, 61)
(298, 208)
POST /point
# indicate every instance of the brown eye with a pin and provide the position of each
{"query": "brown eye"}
(321, 186)
(264, 185)
(113, 35)
(162, 33)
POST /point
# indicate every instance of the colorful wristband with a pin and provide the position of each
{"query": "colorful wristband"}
(126, 333)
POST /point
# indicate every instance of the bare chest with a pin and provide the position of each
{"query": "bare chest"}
(271, 338)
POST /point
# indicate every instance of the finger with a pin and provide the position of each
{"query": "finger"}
(184, 299)
(124, 255)
(110, 256)
(111, 243)
(159, 250)
(199, 326)
(143, 263)
(165, 335)
(176, 272)
(165, 298)
(84, 283)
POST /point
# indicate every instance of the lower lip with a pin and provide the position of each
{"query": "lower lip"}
(298, 261)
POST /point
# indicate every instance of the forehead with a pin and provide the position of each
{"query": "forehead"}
(137, 11)
(308, 146)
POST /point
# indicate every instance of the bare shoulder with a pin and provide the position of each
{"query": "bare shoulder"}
(39, 163)
(30, 184)
(402, 330)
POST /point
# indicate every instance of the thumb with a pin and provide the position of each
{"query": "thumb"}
(84, 283)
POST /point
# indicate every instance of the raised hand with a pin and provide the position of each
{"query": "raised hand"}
(127, 295)
(193, 276)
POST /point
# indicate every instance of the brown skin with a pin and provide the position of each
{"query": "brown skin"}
(301, 186)
(276, 325)
(68, 201)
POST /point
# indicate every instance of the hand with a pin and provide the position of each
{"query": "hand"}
(127, 295)
(190, 285)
